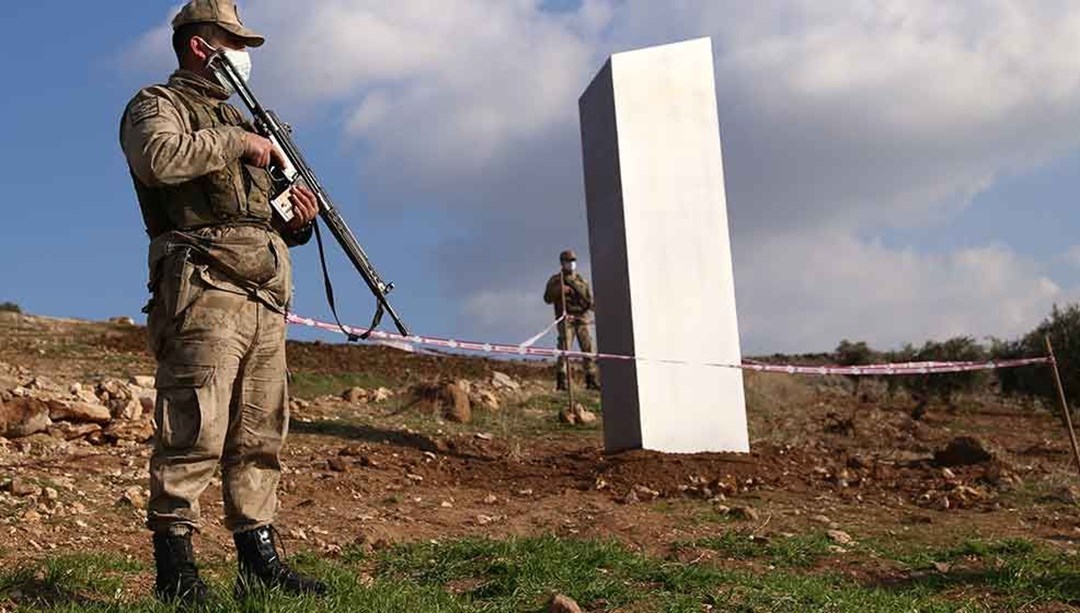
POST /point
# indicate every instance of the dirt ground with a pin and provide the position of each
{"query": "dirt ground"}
(378, 473)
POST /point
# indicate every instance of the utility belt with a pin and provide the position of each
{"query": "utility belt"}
(244, 258)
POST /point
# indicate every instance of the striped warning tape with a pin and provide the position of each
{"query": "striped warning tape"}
(525, 349)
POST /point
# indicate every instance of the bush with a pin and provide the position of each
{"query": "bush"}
(10, 307)
(944, 386)
(1063, 328)
(848, 353)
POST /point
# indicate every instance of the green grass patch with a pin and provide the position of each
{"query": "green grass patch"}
(481, 575)
(312, 385)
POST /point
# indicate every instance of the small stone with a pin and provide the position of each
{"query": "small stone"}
(79, 412)
(491, 499)
(355, 395)
(504, 382)
(144, 381)
(483, 520)
(568, 416)
(414, 478)
(22, 488)
(51, 493)
(962, 451)
(133, 497)
(563, 604)
(745, 513)
(483, 436)
(645, 494)
(337, 465)
(821, 519)
(382, 395)
(840, 537)
(942, 567)
(948, 474)
(458, 409)
(446, 504)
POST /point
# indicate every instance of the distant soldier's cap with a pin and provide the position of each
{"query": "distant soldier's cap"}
(568, 256)
(221, 12)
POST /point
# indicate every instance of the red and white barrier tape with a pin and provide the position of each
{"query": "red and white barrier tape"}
(906, 368)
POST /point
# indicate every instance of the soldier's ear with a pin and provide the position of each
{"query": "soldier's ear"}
(200, 49)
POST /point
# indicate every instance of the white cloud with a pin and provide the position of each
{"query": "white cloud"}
(840, 119)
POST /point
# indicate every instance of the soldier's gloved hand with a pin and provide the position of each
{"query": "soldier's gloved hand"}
(305, 207)
(259, 151)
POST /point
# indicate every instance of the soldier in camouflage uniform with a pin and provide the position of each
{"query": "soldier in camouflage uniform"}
(220, 278)
(569, 288)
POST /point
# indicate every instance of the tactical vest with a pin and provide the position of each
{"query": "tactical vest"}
(237, 194)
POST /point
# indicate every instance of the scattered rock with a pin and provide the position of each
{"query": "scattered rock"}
(745, 513)
(484, 399)
(821, 519)
(568, 416)
(1068, 494)
(962, 451)
(70, 432)
(355, 395)
(504, 382)
(133, 497)
(22, 488)
(563, 604)
(644, 493)
(78, 412)
(382, 395)
(144, 381)
(337, 465)
(584, 416)
(483, 520)
(135, 431)
(840, 537)
(458, 408)
(22, 416)
(942, 567)
(122, 321)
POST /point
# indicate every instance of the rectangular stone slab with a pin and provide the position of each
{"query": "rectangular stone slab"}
(661, 253)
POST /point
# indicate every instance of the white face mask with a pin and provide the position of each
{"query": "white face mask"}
(241, 60)
(569, 266)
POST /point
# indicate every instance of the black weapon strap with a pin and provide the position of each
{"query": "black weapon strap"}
(352, 338)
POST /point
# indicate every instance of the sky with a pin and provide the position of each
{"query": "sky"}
(896, 170)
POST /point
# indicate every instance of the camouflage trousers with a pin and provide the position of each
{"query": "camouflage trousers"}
(571, 328)
(222, 400)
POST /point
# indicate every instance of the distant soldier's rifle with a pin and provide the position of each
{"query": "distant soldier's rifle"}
(297, 171)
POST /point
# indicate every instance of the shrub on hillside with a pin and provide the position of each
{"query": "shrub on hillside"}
(848, 353)
(10, 307)
(945, 386)
(1063, 328)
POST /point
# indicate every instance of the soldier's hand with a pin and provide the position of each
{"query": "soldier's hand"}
(259, 151)
(305, 207)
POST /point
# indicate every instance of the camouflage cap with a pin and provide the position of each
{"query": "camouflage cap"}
(568, 256)
(221, 12)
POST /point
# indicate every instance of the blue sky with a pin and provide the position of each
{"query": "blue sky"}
(894, 173)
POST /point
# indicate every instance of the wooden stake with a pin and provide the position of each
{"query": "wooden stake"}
(567, 341)
(1064, 403)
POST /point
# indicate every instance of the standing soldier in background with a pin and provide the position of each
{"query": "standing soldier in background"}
(569, 288)
(221, 282)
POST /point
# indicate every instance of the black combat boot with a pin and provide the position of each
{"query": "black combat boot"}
(260, 565)
(177, 576)
(560, 382)
(591, 383)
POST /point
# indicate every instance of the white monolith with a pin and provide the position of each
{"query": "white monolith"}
(661, 254)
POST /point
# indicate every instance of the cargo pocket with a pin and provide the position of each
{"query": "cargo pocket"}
(175, 290)
(180, 408)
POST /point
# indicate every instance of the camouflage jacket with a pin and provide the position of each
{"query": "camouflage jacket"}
(578, 302)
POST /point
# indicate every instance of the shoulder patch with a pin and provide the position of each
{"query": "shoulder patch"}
(144, 109)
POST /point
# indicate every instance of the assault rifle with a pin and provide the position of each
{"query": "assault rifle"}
(296, 171)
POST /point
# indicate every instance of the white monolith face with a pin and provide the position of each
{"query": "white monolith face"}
(661, 254)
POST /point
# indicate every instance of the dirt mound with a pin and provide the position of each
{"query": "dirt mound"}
(962, 451)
